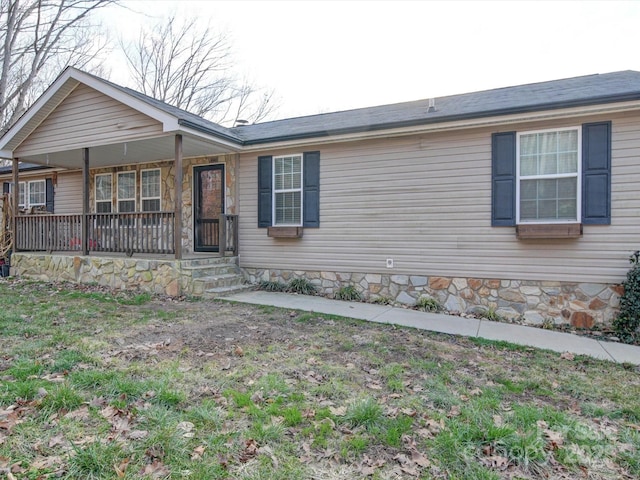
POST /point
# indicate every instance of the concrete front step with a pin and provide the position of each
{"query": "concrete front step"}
(223, 291)
(224, 280)
(213, 270)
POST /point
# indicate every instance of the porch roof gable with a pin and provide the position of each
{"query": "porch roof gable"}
(205, 136)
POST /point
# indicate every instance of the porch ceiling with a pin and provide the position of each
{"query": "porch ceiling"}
(131, 152)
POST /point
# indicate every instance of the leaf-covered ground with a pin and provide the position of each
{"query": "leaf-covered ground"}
(97, 385)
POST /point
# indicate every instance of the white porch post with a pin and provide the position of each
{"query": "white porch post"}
(85, 201)
(177, 225)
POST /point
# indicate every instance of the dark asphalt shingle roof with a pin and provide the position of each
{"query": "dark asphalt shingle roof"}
(577, 91)
(23, 167)
(570, 92)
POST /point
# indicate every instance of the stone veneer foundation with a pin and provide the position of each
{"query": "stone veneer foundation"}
(580, 304)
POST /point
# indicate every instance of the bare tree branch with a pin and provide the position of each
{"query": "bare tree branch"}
(189, 66)
(38, 38)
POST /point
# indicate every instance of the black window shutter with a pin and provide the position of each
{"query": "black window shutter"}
(503, 179)
(5, 187)
(596, 173)
(265, 165)
(311, 189)
(49, 191)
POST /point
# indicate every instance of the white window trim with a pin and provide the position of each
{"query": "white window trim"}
(128, 199)
(142, 198)
(44, 190)
(95, 191)
(287, 190)
(561, 175)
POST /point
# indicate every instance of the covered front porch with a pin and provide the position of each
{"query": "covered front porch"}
(135, 180)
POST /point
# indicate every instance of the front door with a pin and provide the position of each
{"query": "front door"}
(208, 203)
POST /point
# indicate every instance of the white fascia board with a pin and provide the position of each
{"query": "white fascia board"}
(493, 121)
(6, 154)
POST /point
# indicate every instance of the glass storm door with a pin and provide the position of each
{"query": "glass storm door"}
(208, 205)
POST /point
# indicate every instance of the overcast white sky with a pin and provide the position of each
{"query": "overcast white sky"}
(337, 55)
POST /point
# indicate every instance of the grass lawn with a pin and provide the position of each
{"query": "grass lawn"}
(102, 386)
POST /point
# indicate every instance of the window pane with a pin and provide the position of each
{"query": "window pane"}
(547, 209)
(288, 208)
(568, 188)
(529, 165)
(22, 194)
(103, 207)
(288, 173)
(126, 206)
(150, 180)
(528, 144)
(151, 205)
(528, 210)
(127, 185)
(568, 162)
(549, 199)
(37, 195)
(529, 189)
(103, 188)
(547, 189)
(567, 210)
(547, 142)
(548, 164)
(568, 141)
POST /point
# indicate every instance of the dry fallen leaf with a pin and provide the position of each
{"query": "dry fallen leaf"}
(454, 411)
(137, 434)
(186, 428)
(338, 411)
(156, 469)
(198, 452)
(122, 468)
(567, 356)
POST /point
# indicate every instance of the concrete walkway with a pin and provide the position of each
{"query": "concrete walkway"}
(468, 327)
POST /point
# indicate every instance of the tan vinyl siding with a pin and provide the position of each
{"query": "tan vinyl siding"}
(68, 193)
(425, 201)
(87, 118)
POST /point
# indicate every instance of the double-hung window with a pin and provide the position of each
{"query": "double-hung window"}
(127, 196)
(548, 170)
(22, 195)
(287, 190)
(150, 190)
(32, 194)
(37, 194)
(150, 194)
(554, 176)
(104, 193)
(126, 192)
